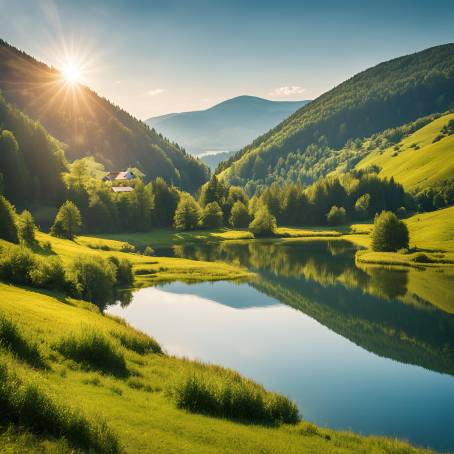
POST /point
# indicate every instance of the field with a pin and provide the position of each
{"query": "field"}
(420, 163)
(137, 407)
(431, 235)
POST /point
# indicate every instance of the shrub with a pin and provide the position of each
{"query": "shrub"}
(137, 341)
(8, 228)
(94, 279)
(68, 221)
(124, 275)
(224, 393)
(212, 216)
(27, 406)
(93, 350)
(239, 215)
(389, 233)
(149, 251)
(26, 227)
(422, 258)
(362, 205)
(16, 264)
(187, 214)
(336, 215)
(12, 339)
(264, 223)
(49, 273)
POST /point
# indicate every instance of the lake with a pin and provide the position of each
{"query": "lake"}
(360, 348)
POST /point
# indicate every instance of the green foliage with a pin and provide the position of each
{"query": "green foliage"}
(67, 222)
(94, 279)
(239, 215)
(226, 394)
(212, 216)
(137, 341)
(187, 214)
(165, 200)
(31, 161)
(149, 251)
(48, 273)
(264, 223)
(8, 228)
(389, 233)
(95, 351)
(385, 96)
(26, 227)
(13, 340)
(362, 206)
(124, 276)
(16, 264)
(27, 406)
(336, 215)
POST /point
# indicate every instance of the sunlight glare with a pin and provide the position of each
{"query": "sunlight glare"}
(71, 73)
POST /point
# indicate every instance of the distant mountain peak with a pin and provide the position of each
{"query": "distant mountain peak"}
(228, 125)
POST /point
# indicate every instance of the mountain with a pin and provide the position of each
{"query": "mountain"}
(390, 94)
(212, 160)
(227, 126)
(90, 125)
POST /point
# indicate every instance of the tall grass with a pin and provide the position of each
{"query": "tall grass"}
(137, 341)
(224, 393)
(94, 351)
(12, 339)
(28, 407)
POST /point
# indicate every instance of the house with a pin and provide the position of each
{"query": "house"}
(123, 175)
(122, 189)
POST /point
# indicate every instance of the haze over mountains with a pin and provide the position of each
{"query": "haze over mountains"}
(227, 126)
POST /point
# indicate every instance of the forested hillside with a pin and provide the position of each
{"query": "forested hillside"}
(388, 95)
(90, 125)
(31, 161)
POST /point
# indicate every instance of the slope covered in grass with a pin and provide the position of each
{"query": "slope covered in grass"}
(137, 408)
(417, 162)
(431, 241)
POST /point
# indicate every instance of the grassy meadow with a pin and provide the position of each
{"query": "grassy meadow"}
(130, 396)
(418, 161)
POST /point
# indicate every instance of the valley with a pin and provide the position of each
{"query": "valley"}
(291, 293)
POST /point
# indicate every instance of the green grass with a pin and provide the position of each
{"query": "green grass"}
(224, 393)
(27, 406)
(12, 339)
(94, 351)
(137, 409)
(417, 168)
(431, 234)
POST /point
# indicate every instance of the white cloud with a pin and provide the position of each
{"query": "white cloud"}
(288, 91)
(155, 91)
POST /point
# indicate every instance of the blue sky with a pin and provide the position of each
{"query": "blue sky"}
(154, 57)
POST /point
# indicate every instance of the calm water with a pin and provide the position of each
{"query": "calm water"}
(370, 350)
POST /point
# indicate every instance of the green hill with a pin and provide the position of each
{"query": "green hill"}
(68, 405)
(388, 95)
(90, 125)
(420, 160)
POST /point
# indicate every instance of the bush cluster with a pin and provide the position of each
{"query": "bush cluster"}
(94, 351)
(226, 394)
(92, 278)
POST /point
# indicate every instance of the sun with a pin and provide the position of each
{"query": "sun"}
(72, 74)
